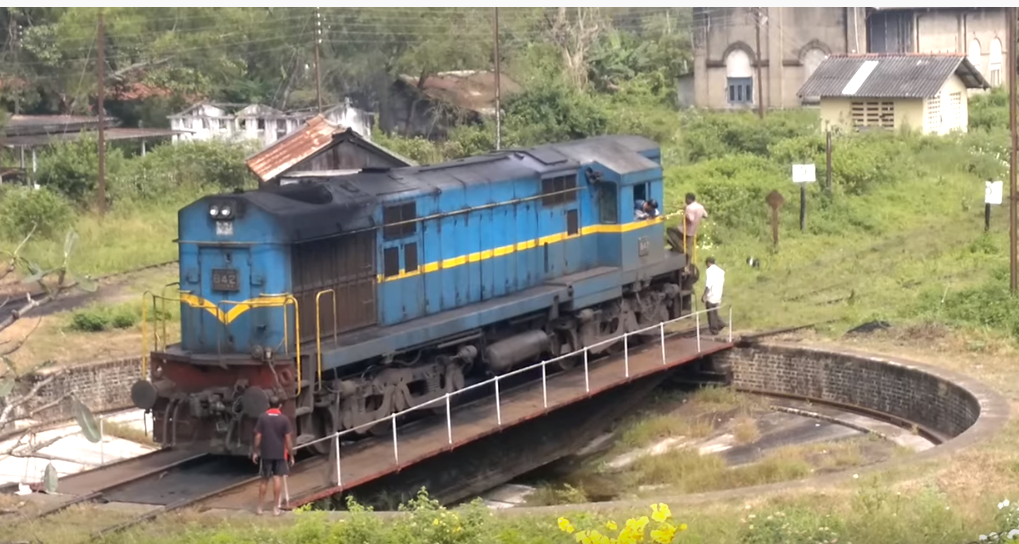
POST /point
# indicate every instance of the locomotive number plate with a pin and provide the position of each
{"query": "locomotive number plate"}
(224, 279)
(224, 228)
(643, 246)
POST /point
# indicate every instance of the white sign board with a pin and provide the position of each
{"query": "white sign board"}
(803, 173)
(992, 192)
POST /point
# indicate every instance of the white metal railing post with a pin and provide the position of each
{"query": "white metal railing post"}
(626, 353)
(730, 324)
(662, 335)
(396, 449)
(587, 377)
(544, 386)
(449, 422)
(698, 317)
(339, 475)
(498, 408)
(102, 439)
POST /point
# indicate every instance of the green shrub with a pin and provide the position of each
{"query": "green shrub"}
(99, 318)
(72, 168)
(89, 320)
(21, 208)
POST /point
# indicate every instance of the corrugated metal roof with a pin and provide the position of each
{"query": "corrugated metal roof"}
(294, 148)
(911, 75)
(297, 146)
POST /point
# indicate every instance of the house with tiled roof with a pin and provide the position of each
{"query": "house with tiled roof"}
(925, 92)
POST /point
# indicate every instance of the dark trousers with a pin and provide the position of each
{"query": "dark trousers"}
(715, 323)
(676, 238)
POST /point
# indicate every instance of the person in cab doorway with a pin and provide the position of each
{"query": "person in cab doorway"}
(684, 240)
(274, 452)
(645, 209)
(715, 279)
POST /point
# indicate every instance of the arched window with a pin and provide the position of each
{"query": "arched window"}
(974, 55)
(739, 77)
(811, 60)
(994, 64)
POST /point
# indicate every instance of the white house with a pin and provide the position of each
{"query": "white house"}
(238, 122)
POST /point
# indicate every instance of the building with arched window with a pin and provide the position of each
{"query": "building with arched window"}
(795, 40)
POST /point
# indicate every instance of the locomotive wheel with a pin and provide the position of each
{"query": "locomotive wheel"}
(321, 423)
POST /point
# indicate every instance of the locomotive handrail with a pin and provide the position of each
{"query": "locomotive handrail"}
(318, 328)
(156, 346)
(335, 437)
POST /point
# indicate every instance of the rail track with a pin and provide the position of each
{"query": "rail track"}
(172, 479)
(168, 479)
(14, 299)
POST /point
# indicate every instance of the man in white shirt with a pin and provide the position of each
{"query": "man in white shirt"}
(683, 240)
(713, 282)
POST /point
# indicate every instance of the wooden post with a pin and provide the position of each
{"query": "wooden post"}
(775, 200)
(827, 152)
(498, 86)
(101, 53)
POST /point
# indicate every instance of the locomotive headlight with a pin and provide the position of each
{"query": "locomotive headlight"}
(214, 210)
(225, 211)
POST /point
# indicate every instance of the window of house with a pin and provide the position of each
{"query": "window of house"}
(933, 120)
(402, 214)
(242, 124)
(205, 123)
(873, 113)
(741, 90)
(994, 64)
(608, 203)
(560, 190)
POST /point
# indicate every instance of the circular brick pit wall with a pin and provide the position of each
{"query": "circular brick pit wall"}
(948, 404)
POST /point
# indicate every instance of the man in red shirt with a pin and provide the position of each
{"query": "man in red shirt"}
(274, 452)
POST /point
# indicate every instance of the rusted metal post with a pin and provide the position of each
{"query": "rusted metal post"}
(697, 316)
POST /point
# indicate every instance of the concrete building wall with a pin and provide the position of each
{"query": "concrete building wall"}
(941, 114)
(795, 40)
(793, 43)
(838, 113)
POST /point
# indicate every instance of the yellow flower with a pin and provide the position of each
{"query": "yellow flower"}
(663, 534)
(435, 521)
(611, 525)
(566, 526)
(661, 512)
(682, 526)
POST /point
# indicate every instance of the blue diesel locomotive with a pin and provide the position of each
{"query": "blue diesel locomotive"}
(359, 296)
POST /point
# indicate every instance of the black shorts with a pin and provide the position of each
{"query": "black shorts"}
(268, 468)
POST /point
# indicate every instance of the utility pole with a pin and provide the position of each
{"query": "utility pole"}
(318, 71)
(1011, 67)
(759, 19)
(498, 88)
(102, 114)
